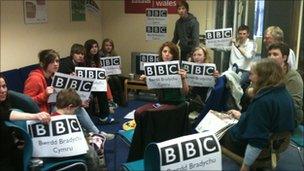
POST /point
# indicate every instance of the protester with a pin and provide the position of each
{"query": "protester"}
(101, 107)
(11, 158)
(115, 81)
(292, 79)
(198, 95)
(169, 52)
(67, 66)
(265, 114)
(274, 34)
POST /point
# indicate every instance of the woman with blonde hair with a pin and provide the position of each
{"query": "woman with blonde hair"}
(271, 111)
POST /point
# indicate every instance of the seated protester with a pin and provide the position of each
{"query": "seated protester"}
(11, 158)
(67, 103)
(172, 96)
(265, 114)
(37, 86)
(292, 79)
(115, 81)
(101, 107)
(199, 94)
(67, 66)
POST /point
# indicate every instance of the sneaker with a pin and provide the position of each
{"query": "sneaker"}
(107, 120)
(113, 104)
(107, 135)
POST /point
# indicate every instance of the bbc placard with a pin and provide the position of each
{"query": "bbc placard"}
(219, 38)
(156, 23)
(98, 74)
(163, 75)
(111, 65)
(147, 57)
(199, 75)
(62, 137)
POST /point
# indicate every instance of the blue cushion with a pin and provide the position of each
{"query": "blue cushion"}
(135, 165)
(298, 136)
(24, 72)
(126, 135)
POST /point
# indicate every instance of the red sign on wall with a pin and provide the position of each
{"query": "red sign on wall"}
(139, 6)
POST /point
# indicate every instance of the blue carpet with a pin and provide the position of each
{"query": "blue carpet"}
(122, 149)
(289, 160)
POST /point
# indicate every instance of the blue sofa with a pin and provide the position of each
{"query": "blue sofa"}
(16, 77)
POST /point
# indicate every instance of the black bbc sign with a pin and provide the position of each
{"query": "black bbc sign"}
(219, 34)
(198, 69)
(189, 149)
(163, 69)
(156, 29)
(111, 61)
(90, 73)
(156, 13)
(148, 58)
(58, 127)
(63, 82)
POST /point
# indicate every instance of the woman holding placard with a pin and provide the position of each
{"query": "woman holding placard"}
(271, 111)
(101, 106)
(10, 155)
(115, 81)
(198, 94)
(169, 52)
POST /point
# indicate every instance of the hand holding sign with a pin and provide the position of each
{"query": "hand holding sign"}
(49, 90)
(43, 117)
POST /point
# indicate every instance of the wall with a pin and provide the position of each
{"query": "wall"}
(20, 42)
(128, 30)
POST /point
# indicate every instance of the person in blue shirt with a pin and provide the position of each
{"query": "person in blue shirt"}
(271, 111)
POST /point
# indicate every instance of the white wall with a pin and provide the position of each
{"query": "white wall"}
(20, 42)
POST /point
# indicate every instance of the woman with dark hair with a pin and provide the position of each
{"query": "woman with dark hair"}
(102, 107)
(10, 155)
(115, 81)
(38, 84)
(169, 52)
(271, 111)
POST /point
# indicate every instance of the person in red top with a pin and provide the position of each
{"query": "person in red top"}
(37, 84)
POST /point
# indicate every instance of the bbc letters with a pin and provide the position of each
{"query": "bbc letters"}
(199, 75)
(98, 74)
(82, 86)
(163, 75)
(62, 137)
(219, 38)
(156, 24)
(193, 152)
(111, 65)
(147, 57)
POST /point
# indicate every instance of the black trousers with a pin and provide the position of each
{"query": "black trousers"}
(116, 83)
(99, 105)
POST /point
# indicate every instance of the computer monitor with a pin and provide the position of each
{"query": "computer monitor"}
(136, 61)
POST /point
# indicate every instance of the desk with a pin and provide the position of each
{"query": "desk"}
(134, 84)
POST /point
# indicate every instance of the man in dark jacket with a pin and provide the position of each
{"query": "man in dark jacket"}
(186, 30)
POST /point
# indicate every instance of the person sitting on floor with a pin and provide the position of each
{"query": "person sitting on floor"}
(265, 114)
(10, 155)
(115, 81)
(199, 94)
(67, 102)
(37, 86)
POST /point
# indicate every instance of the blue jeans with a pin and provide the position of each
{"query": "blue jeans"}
(85, 120)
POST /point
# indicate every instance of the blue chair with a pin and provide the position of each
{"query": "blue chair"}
(13, 80)
(22, 102)
(297, 141)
